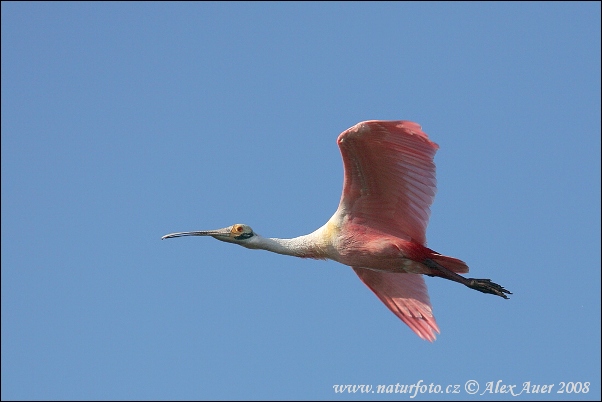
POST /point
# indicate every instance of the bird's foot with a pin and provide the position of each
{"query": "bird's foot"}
(486, 286)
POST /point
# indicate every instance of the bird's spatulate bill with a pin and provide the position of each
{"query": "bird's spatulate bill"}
(217, 232)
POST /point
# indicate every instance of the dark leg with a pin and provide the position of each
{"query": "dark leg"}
(482, 285)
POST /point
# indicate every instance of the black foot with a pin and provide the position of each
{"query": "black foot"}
(486, 286)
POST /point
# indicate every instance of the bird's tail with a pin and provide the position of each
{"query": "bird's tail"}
(451, 263)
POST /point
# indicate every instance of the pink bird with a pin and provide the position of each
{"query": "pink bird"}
(379, 228)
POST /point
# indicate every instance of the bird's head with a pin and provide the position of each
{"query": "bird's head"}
(238, 233)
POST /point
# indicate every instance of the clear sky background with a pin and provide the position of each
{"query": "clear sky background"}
(122, 122)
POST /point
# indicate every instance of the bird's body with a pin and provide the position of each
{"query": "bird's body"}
(379, 228)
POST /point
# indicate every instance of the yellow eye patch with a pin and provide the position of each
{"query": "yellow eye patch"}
(241, 232)
(237, 230)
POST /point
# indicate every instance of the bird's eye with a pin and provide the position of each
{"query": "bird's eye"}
(241, 232)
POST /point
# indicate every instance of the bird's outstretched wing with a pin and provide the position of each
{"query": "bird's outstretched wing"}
(406, 296)
(389, 181)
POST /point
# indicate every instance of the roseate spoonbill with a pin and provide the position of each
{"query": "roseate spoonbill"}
(379, 227)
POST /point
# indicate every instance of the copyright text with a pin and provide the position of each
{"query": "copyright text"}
(471, 387)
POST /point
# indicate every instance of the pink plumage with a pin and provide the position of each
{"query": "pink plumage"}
(389, 179)
(389, 186)
(406, 296)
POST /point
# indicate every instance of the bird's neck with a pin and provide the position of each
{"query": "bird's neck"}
(312, 245)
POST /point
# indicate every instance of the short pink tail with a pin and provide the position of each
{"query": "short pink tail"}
(451, 263)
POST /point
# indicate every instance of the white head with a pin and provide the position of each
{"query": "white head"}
(238, 233)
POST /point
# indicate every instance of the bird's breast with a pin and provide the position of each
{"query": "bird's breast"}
(362, 247)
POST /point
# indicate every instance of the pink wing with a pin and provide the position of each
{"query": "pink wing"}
(389, 180)
(406, 296)
(389, 186)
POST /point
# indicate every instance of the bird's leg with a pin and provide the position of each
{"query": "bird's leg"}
(482, 285)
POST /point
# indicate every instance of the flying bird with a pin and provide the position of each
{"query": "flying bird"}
(379, 228)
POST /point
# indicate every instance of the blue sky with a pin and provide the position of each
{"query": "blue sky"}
(122, 122)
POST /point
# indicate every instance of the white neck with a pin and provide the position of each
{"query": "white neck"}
(311, 245)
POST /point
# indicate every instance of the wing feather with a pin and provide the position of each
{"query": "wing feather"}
(389, 177)
(406, 296)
